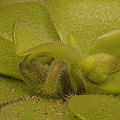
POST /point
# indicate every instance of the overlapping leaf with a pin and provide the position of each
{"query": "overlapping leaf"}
(37, 16)
(87, 19)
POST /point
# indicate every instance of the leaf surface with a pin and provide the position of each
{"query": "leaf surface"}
(95, 107)
(86, 19)
(107, 43)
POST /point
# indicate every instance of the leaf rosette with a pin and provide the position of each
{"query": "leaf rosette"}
(62, 47)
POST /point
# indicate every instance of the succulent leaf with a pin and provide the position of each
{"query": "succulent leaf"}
(11, 89)
(31, 12)
(95, 107)
(9, 60)
(38, 109)
(86, 19)
(107, 43)
(8, 15)
(27, 35)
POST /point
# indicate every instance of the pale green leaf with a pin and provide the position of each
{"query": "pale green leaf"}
(95, 107)
(8, 59)
(31, 12)
(37, 108)
(39, 20)
(107, 43)
(26, 36)
(11, 89)
(86, 19)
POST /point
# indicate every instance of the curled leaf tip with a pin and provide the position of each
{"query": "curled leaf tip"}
(107, 43)
(97, 68)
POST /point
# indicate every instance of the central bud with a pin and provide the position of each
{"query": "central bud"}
(97, 68)
(46, 75)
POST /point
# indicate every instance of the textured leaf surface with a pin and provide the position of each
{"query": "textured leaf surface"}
(86, 19)
(95, 107)
(39, 20)
(8, 59)
(26, 36)
(29, 11)
(107, 43)
(37, 109)
(12, 89)
(5, 2)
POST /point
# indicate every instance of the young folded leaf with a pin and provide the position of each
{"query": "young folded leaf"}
(99, 67)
